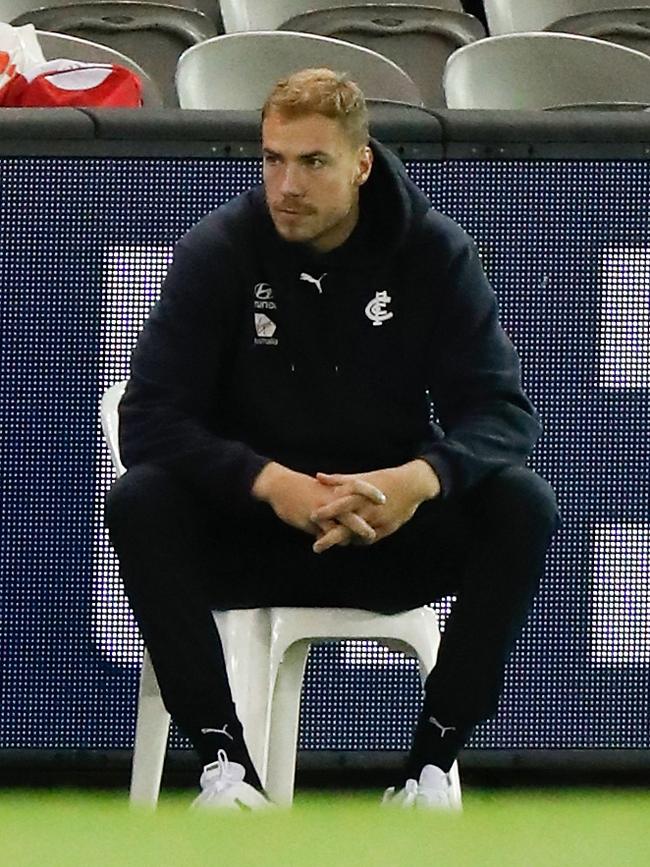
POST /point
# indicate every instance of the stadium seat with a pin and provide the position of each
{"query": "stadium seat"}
(627, 27)
(219, 74)
(521, 16)
(55, 45)
(154, 35)
(12, 9)
(418, 38)
(266, 652)
(239, 15)
(544, 70)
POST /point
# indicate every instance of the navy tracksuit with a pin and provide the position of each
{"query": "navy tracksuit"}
(260, 349)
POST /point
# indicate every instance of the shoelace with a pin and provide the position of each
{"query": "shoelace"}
(220, 776)
(428, 792)
(404, 798)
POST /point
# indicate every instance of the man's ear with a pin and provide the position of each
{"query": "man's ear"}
(364, 166)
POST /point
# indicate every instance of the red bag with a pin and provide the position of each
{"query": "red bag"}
(71, 83)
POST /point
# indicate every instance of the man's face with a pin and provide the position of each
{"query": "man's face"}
(312, 175)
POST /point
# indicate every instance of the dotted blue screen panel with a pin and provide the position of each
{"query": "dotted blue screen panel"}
(85, 246)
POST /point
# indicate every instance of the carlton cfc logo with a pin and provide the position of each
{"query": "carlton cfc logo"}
(376, 309)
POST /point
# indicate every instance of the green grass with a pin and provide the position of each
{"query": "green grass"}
(566, 828)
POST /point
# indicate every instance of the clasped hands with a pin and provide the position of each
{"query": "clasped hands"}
(343, 509)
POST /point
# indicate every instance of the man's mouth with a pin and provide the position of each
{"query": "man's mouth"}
(294, 212)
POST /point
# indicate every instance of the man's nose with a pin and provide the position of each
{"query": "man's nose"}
(291, 184)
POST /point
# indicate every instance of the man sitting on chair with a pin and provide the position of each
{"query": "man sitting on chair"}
(279, 437)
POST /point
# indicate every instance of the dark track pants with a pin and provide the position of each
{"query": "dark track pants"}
(180, 558)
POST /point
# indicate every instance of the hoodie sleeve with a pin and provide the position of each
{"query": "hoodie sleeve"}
(475, 383)
(169, 413)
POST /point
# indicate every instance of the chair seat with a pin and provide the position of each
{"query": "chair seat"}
(340, 623)
(419, 39)
(540, 70)
(520, 16)
(209, 75)
(239, 15)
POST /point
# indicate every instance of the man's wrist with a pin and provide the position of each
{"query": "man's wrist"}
(267, 480)
(426, 484)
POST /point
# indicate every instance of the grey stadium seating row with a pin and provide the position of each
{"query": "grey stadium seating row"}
(541, 54)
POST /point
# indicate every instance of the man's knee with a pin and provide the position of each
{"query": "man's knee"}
(517, 493)
(138, 494)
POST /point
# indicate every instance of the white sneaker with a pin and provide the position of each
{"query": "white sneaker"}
(223, 786)
(433, 791)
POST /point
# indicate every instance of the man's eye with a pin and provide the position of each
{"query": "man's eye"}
(316, 162)
(270, 159)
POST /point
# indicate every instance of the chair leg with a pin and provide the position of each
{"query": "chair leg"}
(245, 636)
(151, 732)
(285, 716)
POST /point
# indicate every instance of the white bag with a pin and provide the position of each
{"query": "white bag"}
(19, 52)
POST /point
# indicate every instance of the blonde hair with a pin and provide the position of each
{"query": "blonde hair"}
(322, 91)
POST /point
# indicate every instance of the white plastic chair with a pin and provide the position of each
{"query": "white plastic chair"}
(240, 15)
(419, 39)
(266, 652)
(627, 27)
(238, 71)
(521, 16)
(541, 70)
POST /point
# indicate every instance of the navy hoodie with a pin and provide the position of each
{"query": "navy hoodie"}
(260, 349)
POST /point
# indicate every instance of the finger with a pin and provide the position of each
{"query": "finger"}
(321, 526)
(350, 503)
(339, 535)
(333, 479)
(365, 489)
(362, 523)
(358, 542)
(358, 526)
(359, 486)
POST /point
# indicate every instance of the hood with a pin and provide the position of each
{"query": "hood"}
(396, 204)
